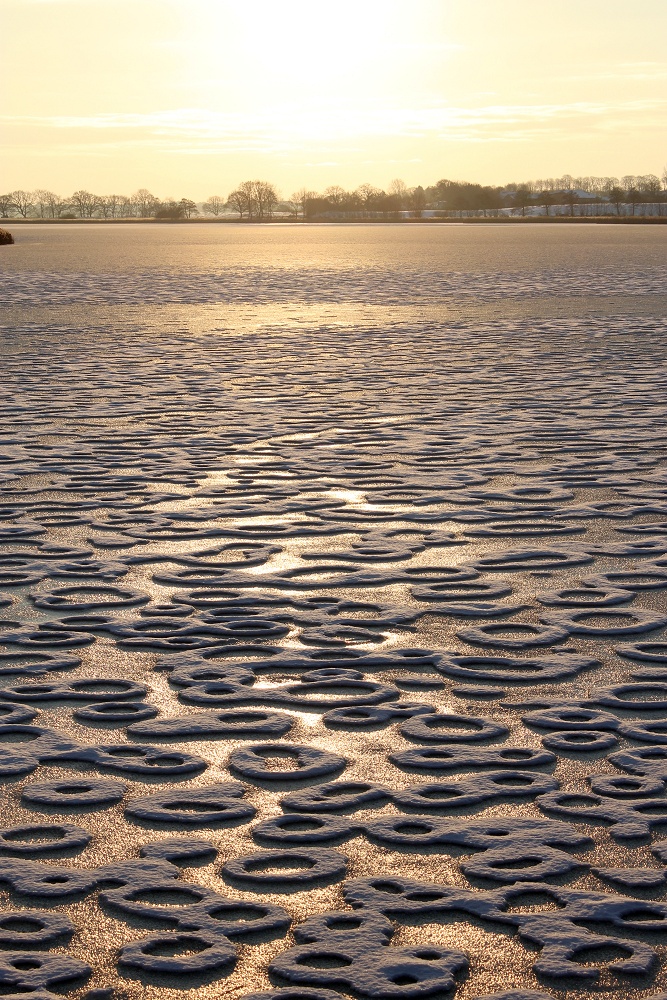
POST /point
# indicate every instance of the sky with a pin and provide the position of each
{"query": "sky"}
(189, 97)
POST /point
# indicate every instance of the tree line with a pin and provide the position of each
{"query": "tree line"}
(260, 201)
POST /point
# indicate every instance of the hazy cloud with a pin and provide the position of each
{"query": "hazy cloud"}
(282, 129)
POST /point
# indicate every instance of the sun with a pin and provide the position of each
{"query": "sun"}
(311, 54)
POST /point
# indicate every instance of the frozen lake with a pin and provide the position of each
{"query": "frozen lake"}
(333, 564)
(407, 265)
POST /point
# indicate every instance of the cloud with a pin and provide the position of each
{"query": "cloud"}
(198, 130)
(642, 72)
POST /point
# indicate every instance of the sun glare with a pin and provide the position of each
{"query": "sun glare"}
(324, 54)
(177, 93)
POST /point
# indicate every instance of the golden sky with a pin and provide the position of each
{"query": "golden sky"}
(189, 97)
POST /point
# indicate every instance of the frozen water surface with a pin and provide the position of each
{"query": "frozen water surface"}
(333, 572)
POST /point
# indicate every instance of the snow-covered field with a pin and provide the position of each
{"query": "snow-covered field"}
(334, 640)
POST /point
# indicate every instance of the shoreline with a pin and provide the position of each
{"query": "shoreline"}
(594, 220)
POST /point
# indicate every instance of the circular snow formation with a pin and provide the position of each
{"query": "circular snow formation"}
(212, 804)
(513, 635)
(35, 839)
(647, 652)
(298, 829)
(281, 870)
(28, 928)
(579, 741)
(337, 796)
(228, 722)
(98, 596)
(513, 670)
(120, 712)
(607, 621)
(179, 954)
(451, 728)
(532, 559)
(75, 793)
(309, 763)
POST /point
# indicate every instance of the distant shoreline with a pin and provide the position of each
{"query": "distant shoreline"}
(562, 220)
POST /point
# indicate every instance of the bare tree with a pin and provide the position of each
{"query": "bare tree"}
(616, 196)
(257, 199)
(336, 195)
(571, 198)
(189, 207)
(546, 199)
(398, 191)
(110, 205)
(248, 189)
(124, 206)
(42, 199)
(85, 203)
(367, 194)
(240, 200)
(650, 188)
(523, 197)
(655, 193)
(418, 201)
(54, 204)
(489, 200)
(214, 205)
(265, 198)
(23, 202)
(634, 197)
(169, 211)
(586, 184)
(600, 185)
(301, 198)
(146, 203)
